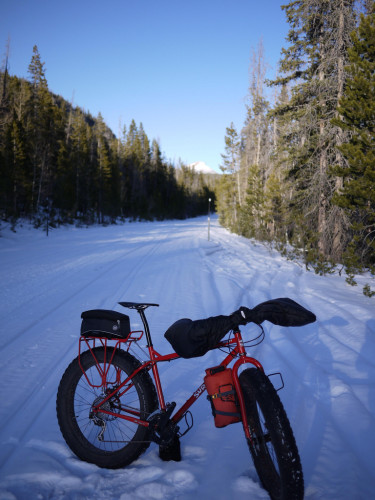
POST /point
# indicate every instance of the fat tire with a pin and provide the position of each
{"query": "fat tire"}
(144, 392)
(273, 446)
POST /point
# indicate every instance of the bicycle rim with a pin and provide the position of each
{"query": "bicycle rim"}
(106, 432)
(263, 452)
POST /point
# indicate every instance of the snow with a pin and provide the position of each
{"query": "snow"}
(328, 367)
(200, 166)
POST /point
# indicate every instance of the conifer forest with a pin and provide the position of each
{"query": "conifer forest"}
(301, 171)
(299, 174)
(58, 160)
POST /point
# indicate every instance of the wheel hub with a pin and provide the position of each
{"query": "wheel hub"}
(98, 416)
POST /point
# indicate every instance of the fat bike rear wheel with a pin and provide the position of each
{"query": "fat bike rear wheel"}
(105, 440)
(272, 445)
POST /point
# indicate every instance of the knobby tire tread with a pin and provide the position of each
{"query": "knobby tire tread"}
(286, 483)
(66, 414)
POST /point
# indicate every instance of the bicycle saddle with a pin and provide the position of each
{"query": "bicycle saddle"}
(139, 306)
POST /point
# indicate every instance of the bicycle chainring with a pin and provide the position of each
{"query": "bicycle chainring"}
(160, 432)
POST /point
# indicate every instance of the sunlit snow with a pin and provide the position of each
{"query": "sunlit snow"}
(328, 367)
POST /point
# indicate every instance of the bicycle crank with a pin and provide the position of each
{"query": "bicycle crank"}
(162, 429)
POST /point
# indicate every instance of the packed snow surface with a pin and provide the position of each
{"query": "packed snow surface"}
(328, 366)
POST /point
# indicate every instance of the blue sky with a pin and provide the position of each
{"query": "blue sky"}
(179, 67)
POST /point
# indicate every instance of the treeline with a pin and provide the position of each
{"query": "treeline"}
(301, 172)
(58, 159)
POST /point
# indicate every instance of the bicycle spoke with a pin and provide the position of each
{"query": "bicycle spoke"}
(116, 430)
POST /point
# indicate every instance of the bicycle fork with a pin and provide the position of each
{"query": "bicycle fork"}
(243, 359)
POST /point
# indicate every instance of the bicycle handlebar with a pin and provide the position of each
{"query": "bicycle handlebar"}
(282, 312)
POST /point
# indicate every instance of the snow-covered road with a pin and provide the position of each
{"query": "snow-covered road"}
(328, 367)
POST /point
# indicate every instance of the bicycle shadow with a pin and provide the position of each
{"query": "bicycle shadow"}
(366, 392)
(333, 397)
(311, 407)
(365, 363)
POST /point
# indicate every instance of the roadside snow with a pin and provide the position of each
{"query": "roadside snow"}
(328, 367)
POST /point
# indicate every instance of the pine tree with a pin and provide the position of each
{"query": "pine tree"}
(228, 194)
(255, 133)
(255, 151)
(4, 94)
(53, 153)
(107, 174)
(252, 220)
(357, 112)
(41, 131)
(145, 145)
(275, 207)
(314, 63)
(81, 177)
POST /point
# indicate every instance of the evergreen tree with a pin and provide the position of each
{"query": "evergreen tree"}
(357, 112)
(159, 192)
(104, 167)
(228, 191)
(279, 187)
(252, 214)
(144, 145)
(41, 131)
(4, 93)
(57, 156)
(314, 63)
(255, 151)
(275, 207)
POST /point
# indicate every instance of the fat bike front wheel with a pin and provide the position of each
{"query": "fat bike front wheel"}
(104, 439)
(272, 444)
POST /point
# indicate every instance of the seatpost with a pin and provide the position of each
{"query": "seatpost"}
(147, 329)
(154, 366)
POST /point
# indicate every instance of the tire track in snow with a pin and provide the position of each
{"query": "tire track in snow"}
(130, 278)
(218, 268)
(337, 417)
(63, 302)
(255, 283)
(221, 279)
(308, 381)
(31, 402)
(305, 359)
(27, 412)
(342, 312)
(212, 278)
(268, 274)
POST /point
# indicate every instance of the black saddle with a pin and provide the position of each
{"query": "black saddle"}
(139, 306)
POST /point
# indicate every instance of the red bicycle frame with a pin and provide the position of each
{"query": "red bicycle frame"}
(238, 351)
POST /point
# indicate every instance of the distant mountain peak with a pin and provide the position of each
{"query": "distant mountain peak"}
(200, 166)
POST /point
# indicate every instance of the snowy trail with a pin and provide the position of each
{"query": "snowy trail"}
(328, 367)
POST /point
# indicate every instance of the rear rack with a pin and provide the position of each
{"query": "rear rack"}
(94, 341)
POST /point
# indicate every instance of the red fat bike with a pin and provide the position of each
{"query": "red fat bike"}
(110, 409)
